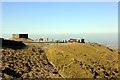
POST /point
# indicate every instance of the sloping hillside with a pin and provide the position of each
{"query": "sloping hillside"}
(90, 60)
(60, 60)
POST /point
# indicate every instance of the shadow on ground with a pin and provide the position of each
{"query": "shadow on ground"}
(13, 73)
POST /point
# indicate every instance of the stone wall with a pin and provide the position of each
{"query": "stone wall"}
(12, 44)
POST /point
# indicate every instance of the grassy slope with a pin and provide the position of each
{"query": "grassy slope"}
(83, 60)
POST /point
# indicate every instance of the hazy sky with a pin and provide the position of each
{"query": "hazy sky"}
(59, 17)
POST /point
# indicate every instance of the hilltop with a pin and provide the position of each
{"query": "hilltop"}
(60, 60)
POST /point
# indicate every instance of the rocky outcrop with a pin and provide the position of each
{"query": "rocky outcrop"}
(29, 63)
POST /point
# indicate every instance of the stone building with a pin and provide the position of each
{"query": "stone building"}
(19, 36)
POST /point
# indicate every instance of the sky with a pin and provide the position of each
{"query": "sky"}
(59, 17)
(60, 0)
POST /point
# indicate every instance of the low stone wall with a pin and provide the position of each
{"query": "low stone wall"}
(12, 44)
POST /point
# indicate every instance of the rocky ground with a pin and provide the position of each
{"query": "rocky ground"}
(60, 60)
(30, 62)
